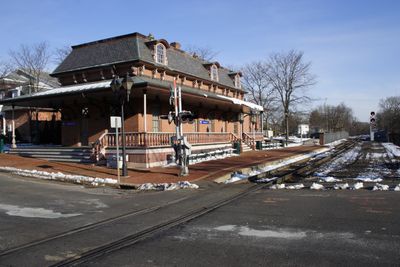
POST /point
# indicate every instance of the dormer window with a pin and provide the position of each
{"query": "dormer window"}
(161, 54)
(237, 81)
(214, 73)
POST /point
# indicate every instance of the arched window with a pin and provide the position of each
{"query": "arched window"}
(237, 81)
(214, 73)
(161, 54)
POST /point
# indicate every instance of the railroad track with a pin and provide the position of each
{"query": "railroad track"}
(134, 238)
(284, 174)
(299, 170)
(89, 227)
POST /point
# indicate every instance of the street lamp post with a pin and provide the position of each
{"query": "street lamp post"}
(122, 89)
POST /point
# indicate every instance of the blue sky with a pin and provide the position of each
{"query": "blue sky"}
(354, 46)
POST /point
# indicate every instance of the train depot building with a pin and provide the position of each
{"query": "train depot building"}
(86, 101)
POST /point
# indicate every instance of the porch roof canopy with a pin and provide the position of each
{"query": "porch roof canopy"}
(49, 98)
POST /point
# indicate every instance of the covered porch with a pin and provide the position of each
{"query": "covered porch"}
(86, 108)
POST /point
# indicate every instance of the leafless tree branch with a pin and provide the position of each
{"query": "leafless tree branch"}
(33, 59)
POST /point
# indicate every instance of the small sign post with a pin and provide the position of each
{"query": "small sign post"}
(115, 122)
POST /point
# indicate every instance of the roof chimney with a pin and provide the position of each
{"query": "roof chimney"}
(176, 45)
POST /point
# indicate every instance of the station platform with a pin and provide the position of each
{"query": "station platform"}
(209, 170)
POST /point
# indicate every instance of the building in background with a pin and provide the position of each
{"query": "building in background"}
(86, 102)
(32, 124)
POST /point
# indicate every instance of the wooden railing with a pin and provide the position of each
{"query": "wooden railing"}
(251, 138)
(156, 139)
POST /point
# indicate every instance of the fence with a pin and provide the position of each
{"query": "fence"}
(326, 138)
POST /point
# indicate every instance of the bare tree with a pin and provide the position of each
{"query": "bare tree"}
(205, 53)
(256, 83)
(290, 77)
(5, 69)
(388, 117)
(61, 53)
(33, 59)
(332, 118)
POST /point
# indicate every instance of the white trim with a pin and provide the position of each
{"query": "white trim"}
(75, 88)
(242, 102)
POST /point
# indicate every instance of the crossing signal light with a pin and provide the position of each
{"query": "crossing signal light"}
(187, 116)
(372, 119)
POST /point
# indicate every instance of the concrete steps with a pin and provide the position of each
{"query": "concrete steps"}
(246, 148)
(54, 153)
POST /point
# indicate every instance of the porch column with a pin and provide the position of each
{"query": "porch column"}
(145, 109)
(4, 125)
(13, 141)
(262, 121)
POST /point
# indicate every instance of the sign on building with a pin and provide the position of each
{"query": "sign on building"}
(115, 122)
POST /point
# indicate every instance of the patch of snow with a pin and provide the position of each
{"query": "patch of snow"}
(380, 187)
(266, 180)
(329, 179)
(369, 179)
(335, 143)
(167, 186)
(316, 186)
(13, 210)
(236, 177)
(357, 186)
(341, 186)
(277, 186)
(285, 162)
(246, 231)
(397, 188)
(60, 176)
(338, 163)
(295, 187)
(392, 149)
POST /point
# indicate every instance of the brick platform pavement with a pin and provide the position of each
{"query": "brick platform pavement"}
(209, 170)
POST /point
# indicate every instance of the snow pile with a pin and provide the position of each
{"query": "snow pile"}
(167, 186)
(277, 186)
(380, 187)
(295, 186)
(266, 180)
(341, 186)
(335, 143)
(329, 179)
(397, 188)
(60, 176)
(369, 179)
(316, 186)
(236, 177)
(357, 186)
(392, 149)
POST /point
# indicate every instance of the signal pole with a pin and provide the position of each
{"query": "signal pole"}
(372, 126)
(182, 146)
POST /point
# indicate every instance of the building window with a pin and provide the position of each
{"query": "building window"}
(214, 73)
(161, 54)
(237, 81)
(156, 117)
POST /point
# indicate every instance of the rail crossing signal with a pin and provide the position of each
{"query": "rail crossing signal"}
(180, 144)
(372, 125)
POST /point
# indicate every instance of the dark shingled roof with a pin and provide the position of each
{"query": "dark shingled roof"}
(133, 47)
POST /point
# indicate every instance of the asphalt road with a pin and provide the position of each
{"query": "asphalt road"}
(32, 209)
(280, 228)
